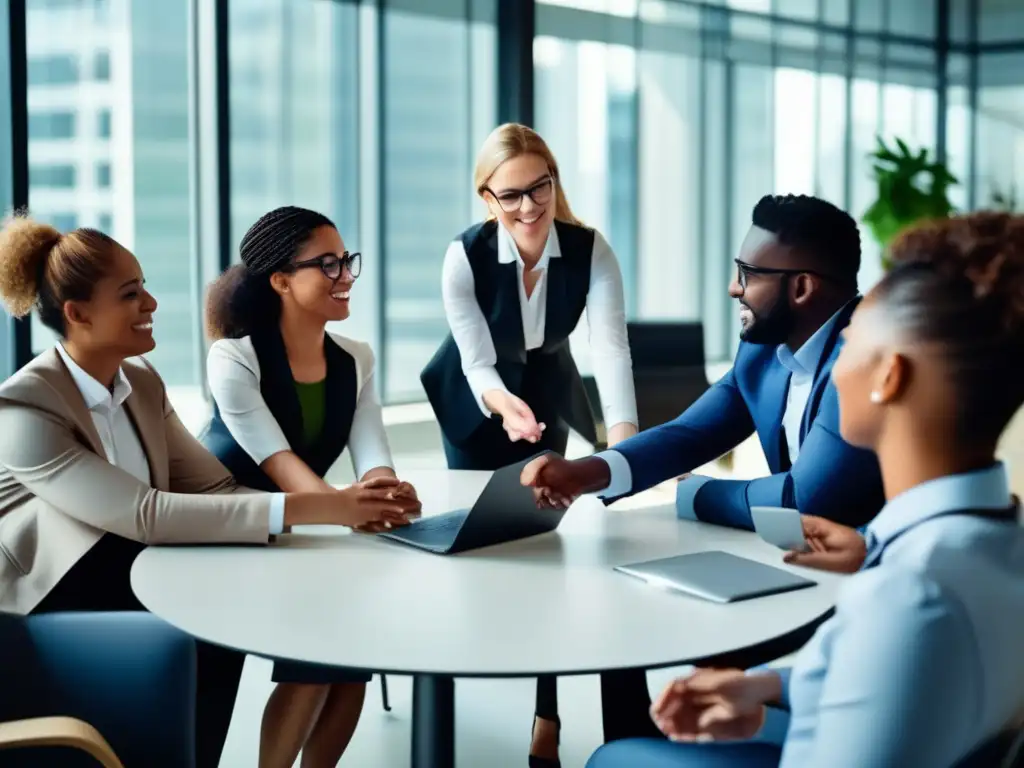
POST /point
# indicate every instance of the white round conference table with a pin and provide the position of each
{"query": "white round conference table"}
(550, 604)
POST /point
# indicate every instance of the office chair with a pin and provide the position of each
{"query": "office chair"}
(668, 368)
(67, 678)
(68, 732)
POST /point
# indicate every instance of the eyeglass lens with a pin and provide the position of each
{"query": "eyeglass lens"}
(333, 266)
(540, 194)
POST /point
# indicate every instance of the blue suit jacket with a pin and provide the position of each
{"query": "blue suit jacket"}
(830, 478)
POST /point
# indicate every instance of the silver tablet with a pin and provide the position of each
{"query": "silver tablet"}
(716, 576)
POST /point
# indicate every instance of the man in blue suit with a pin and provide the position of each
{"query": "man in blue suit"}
(796, 285)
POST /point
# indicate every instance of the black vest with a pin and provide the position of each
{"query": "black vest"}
(278, 389)
(546, 377)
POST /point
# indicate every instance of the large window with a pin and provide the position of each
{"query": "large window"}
(1000, 124)
(438, 104)
(586, 108)
(57, 176)
(295, 69)
(51, 124)
(670, 119)
(372, 120)
(60, 69)
(140, 190)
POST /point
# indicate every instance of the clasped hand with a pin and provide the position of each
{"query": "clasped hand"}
(378, 504)
(715, 705)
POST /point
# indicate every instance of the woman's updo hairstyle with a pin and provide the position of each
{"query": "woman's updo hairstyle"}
(242, 299)
(41, 269)
(958, 283)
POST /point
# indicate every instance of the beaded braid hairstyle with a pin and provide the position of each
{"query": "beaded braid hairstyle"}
(958, 287)
(242, 299)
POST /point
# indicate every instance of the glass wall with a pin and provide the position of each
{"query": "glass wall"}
(437, 84)
(108, 129)
(670, 118)
(372, 118)
(999, 180)
(294, 83)
(718, 104)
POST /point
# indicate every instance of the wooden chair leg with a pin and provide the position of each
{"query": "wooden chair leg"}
(384, 693)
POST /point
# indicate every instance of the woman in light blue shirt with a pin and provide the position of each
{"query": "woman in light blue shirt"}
(921, 665)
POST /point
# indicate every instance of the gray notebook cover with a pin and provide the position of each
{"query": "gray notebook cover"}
(716, 576)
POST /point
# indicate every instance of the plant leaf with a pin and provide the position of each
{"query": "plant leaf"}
(911, 188)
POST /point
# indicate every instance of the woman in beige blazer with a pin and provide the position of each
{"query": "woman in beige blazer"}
(95, 464)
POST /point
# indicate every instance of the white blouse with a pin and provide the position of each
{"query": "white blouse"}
(234, 374)
(120, 441)
(606, 316)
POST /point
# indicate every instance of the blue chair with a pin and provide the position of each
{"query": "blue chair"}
(67, 678)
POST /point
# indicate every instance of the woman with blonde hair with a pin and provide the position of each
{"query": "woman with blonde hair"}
(504, 385)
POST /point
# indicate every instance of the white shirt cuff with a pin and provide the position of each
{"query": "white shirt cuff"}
(276, 513)
(481, 380)
(621, 474)
(686, 494)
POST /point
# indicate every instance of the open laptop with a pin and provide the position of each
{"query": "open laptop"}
(716, 576)
(505, 511)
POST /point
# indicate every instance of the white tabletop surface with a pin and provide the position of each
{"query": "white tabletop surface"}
(547, 604)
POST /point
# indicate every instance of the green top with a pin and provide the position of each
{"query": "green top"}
(313, 404)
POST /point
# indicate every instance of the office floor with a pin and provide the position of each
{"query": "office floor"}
(493, 717)
(492, 721)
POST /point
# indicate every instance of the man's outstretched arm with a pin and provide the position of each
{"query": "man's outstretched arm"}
(830, 479)
(712, 426)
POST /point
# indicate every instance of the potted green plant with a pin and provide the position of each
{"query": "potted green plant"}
(911, 187)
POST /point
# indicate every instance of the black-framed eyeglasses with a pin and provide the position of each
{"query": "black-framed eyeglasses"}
(744, 271)
(331, 265)
(511, 200)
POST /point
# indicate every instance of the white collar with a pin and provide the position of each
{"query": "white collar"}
(805, 360)
(96, 396)
(508, 251)
(982, 489)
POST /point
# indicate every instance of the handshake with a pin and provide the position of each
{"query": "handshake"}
(557, 482)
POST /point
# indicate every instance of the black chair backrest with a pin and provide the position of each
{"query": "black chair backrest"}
(668, 368)
(659, 345)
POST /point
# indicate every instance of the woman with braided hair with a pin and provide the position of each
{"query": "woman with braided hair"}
(95, 464)
(920, 664)
(288, 398)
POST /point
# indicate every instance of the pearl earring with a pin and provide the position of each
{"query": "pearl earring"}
(876, 397)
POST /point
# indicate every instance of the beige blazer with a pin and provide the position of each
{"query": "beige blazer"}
(59, 494)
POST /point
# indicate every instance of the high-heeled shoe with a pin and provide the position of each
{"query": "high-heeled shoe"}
(545, 762)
